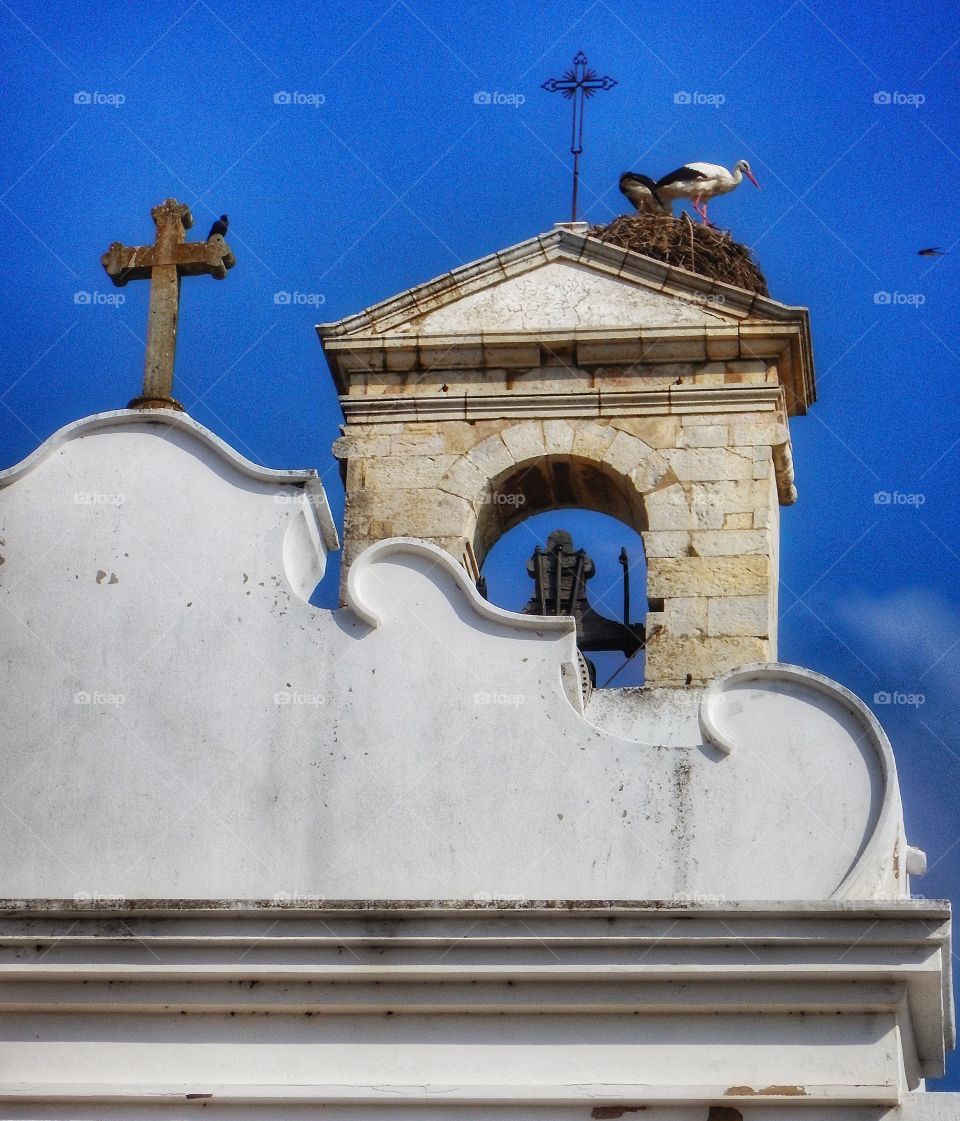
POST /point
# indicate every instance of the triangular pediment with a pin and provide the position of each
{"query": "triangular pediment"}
(562, 281)
(563, 295)
(567, 292)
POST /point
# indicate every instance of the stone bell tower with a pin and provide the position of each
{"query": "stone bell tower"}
(569, 372)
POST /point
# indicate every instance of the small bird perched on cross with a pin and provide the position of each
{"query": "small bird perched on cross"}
(219, 227)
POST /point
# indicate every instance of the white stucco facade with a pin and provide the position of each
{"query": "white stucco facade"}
(259, 858)
(164, 666)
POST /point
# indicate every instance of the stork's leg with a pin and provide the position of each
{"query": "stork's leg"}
(700, 205)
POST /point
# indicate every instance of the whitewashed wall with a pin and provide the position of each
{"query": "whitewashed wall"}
(180, 722)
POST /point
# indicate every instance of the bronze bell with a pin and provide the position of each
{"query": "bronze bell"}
(560, 575)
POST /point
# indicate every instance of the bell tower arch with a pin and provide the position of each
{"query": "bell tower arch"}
(569, 372)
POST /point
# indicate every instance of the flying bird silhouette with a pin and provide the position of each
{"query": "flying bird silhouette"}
(219, 227)
(642, 192)
(933, 251)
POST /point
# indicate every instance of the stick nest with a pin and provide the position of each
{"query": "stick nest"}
(688, 245)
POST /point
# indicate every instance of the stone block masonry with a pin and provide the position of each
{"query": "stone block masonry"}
(698, 480)
(565, 372)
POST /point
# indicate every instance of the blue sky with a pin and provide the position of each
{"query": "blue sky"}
(385, 171)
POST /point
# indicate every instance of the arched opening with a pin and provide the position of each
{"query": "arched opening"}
(602, 512)
(554, 483)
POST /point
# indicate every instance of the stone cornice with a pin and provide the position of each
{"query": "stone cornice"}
(383, 408)
(163, 957)
(786, 344)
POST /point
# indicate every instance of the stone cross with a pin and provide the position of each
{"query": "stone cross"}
(163, 264)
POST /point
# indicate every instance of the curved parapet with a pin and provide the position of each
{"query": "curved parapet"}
(755, 705)
(166, 455)
(421, 743)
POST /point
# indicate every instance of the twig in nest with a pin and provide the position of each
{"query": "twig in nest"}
(693, 256)
(681, 242)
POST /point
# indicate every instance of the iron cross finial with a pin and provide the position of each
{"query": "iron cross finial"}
(576, 85)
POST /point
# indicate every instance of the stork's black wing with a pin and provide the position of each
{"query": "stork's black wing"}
(681, 175)
(631, 180)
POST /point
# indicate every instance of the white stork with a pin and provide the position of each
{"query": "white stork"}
(701, 181)
(642, 192)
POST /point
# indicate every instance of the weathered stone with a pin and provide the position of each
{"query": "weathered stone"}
(465, 479)
(708, 576)
(669, 508)
(687, 615)
(558, 436)
(666, 543)
(525, 441)
(349, 446)
(424, 513)
(765, 517)
(694, 660)
(626, 452)
(709, 517)
(650, 473)
(738, 377)
(742, 520)
(702, 378)
(405, 472)
(461, 436)
(767, 432)
(752, 415)
(738, 615)
(657, 431)
(728, 542)
(417, 444)
(592, 440)
(708, 464)
(730, 495)
(747, 366)
(703, 435)
(376, 428)
(492, 457)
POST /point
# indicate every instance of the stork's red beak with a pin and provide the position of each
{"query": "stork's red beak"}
(753, 179)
